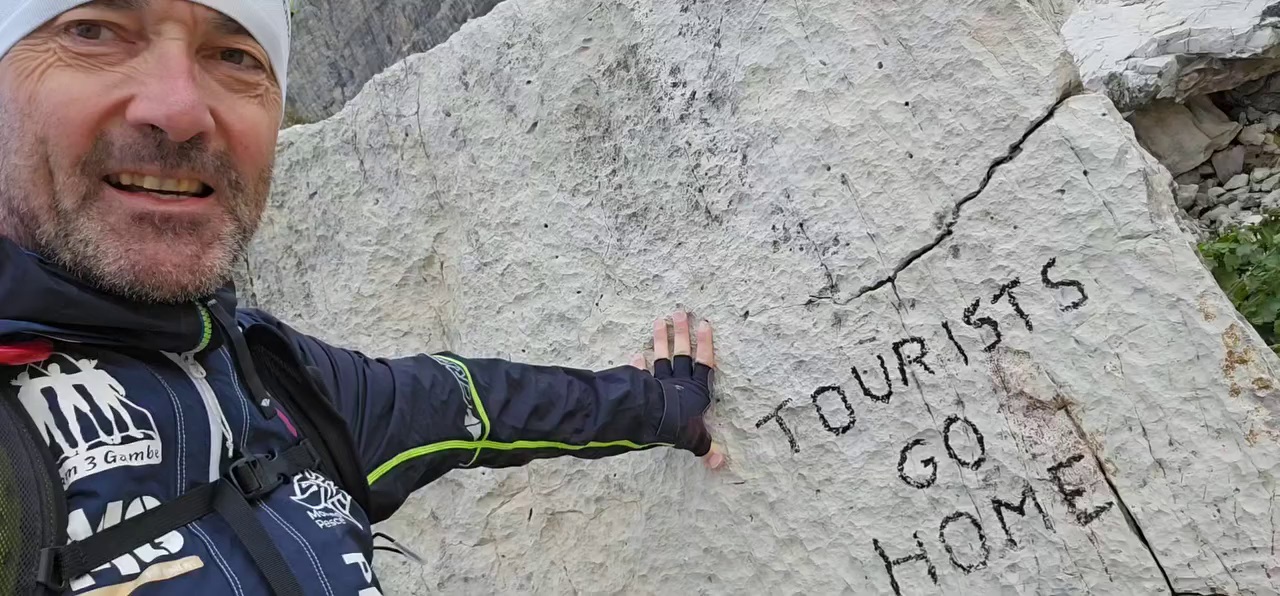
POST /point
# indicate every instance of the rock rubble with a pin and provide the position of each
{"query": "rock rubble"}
(1239, 182)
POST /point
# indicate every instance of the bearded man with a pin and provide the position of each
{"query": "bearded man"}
(201, 448)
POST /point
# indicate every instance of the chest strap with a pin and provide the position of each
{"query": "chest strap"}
(248, 479)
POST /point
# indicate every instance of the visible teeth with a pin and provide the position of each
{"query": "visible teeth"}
(173, 185)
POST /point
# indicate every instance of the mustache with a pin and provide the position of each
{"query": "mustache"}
(154, 150)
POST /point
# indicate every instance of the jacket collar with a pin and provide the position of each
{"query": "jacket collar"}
(37, 298)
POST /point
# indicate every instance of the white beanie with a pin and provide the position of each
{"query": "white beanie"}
(266, 20)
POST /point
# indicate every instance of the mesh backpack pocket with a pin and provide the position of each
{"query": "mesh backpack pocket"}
(33, 508)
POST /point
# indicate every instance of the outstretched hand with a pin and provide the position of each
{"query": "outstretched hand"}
(668, 364)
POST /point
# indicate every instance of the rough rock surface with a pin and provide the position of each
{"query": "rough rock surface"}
(1056, 12)
(1262, 94)
(1183, 136)
(338, 45)
(1057, 399)
(1144, 50)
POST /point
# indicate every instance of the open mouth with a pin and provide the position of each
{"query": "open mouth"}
(166, 188)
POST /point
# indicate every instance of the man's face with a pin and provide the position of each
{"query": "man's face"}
(137, 145)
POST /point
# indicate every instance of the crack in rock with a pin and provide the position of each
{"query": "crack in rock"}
(1129, 518)
(1131, 521)
(1014, 150)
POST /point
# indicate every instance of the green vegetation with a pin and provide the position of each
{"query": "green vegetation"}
(1246, 263)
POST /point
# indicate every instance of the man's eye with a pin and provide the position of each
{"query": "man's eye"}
(90, 31)
(239, 58)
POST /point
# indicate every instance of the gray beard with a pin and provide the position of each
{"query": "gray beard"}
(77, 245)
(100, 248)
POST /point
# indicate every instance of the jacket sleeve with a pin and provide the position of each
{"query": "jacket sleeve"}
(416, 418)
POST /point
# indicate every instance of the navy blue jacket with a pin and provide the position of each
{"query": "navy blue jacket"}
(140, 403)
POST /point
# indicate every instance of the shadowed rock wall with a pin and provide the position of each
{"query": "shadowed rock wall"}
(338, 45)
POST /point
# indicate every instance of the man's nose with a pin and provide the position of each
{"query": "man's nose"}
(169, 96)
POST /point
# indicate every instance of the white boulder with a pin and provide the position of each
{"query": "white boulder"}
(964, 346)
(1142, 50)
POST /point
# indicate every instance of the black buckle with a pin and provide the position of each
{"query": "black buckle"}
(48, 571)
(255, 476)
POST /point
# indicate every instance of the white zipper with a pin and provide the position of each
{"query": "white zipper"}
(219, 428)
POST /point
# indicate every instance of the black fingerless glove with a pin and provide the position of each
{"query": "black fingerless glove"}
(686, 387)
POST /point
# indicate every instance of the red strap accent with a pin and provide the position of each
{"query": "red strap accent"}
(26, 352)
(288, 423)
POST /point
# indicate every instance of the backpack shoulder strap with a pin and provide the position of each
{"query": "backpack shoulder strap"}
(35, 555)
(248, 480)
(299, 391)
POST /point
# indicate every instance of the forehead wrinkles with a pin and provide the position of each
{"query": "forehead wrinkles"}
(205, 17)
(220, 22)
(122, 4)
(223, 24)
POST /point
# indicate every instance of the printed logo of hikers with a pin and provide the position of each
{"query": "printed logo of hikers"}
(86, 419)
(326, 504)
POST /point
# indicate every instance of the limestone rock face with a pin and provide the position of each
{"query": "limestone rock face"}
(964, 347)
(1139, 51)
